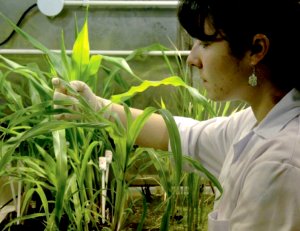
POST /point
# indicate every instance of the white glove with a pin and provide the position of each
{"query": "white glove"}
(71, 101)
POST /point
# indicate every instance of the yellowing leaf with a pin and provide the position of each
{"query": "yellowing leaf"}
(81, 52)
(94, 65)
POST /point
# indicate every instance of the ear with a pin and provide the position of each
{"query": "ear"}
(260, 47)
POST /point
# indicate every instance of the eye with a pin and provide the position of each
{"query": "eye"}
(201, 43)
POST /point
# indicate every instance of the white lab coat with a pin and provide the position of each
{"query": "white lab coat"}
(258, 167)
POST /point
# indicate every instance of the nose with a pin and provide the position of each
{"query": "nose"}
(194, 57)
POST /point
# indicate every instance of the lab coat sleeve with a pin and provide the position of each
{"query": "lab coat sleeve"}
(269, 199)
(203, 141)
(209, 141)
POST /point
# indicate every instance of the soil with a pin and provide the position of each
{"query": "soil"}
(155, 211)
(152, 221)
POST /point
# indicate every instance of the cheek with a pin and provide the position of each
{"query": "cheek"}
(223, 76)
(227, 74)
(222, 88)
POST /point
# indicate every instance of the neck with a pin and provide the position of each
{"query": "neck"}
(263, 100)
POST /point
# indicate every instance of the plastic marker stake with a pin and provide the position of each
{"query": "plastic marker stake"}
(102, 165)
(108, 156)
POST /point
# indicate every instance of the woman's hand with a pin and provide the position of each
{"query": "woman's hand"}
(69, 98)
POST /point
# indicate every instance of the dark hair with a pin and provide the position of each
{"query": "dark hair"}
(237, 21)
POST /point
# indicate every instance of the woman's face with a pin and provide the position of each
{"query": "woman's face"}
(223, 76)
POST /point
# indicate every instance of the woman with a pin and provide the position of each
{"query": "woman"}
(244, 51)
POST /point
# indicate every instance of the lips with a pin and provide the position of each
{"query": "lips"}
(202, 78)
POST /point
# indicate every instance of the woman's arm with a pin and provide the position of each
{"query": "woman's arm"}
(154, 133)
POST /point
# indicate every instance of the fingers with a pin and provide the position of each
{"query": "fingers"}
(68, 96)
(64, 99)
(55, 82)
(83, 89)
(67, 116)
(58, 85)
(77, 86)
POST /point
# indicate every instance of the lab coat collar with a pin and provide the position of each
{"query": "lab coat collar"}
(284, 111)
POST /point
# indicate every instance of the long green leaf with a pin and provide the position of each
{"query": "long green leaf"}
(174, 81)
(160, 166)
(60, 150)
(138, 125)
(42, 86)
(121, 63)
(54, 57)
(93, 66)
(67, 70)
(23, 218)
(85, 160)
(174, 142)
(51, 126)
(198, 166)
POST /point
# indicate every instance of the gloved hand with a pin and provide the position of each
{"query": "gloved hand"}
(61, 93)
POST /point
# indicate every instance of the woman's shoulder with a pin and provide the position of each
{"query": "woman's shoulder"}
(245, 115)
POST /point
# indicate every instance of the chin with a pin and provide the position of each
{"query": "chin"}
(212, 97)
(217, 98)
